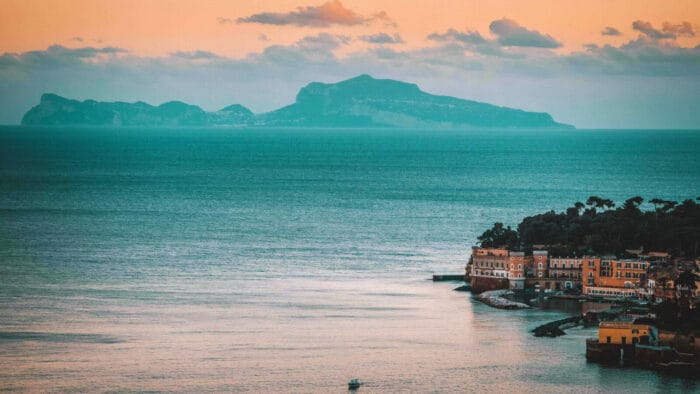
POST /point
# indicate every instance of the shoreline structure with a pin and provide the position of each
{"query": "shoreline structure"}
(627, 335)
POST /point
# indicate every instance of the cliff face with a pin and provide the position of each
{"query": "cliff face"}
(362, 101)
(365, 101)
(55, 110)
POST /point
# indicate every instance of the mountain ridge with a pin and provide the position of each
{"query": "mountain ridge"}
(362, 101)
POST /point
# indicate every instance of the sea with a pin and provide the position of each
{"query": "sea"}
(293, 260)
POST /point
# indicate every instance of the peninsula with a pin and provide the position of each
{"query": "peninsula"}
(362, 101)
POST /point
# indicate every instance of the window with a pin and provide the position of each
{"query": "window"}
(520, 266)
(627, 274)
(539, 266)
(608, 339)
(619, 265)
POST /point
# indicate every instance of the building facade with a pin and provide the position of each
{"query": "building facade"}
(610, 277)
(493, 268)
(489, 269)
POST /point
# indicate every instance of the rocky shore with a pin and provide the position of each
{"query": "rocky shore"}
(497, 299)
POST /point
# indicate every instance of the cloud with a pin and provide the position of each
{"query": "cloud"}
(323, 41)
(470, 37)
(510, 33)
(472, 41)
(681, 29)
(648, 30)
(610, 31)
(194, 55)
(382, 38)
(77, 39)
(58, 55)
(330, 13)
(642, 56)
(224, 21)
(666, 71)
(316, 49)
(263, 37)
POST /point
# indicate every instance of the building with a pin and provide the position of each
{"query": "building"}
(620, 340)
(627, 333)
(518, 264)
(540, 263)
(566, 271)
(610, 277)
(494, 268)
(489, 269)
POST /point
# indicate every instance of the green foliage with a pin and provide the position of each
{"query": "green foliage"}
(598, 228)
(499, 236)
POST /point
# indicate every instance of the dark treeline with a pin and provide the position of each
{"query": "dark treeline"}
(598, 227)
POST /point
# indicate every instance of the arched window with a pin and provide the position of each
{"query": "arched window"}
(539, 265)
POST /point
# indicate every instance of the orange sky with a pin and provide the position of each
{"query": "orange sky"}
(157, 27)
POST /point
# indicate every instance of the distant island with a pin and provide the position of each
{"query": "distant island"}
(362, 101)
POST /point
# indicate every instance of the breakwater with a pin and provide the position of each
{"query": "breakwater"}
(556, 328)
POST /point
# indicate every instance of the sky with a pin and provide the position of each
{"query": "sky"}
(593, 64)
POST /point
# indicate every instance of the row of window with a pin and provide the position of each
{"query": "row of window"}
(637, 266)
(490, 264)
(641, 275)
(564, 266)
(498, 274)
(610, 292)
(563, 275)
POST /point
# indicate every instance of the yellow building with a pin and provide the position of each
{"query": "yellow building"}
(626, 333)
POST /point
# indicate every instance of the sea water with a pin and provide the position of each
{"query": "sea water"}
(264, 260)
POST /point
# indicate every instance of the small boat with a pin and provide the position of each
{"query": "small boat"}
(354, 384)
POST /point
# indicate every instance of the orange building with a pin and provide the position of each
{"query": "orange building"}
(625, 333)
(540, 263)
(518, 264)
(609, 277)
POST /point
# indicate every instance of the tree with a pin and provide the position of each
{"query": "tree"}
(499, 236)
(633, 203)
(657, 202)
(602, 229)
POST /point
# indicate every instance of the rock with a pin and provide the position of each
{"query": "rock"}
(495, 298)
